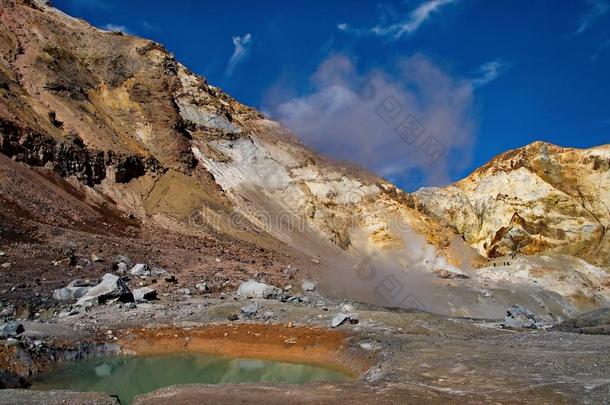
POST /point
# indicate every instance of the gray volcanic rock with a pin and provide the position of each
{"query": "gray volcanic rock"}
(254, 289)
(339, 320)
(144, 294)
(140, 269)
(11, 329)
(75, 290)
(518, 317)
(110, 288)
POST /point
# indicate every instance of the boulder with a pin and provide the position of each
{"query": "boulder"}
(140, 269)
(339, 320)
(75, 290)
(11, 329)
(110, 288)
(254, 289)
(518, 317)
(144, 294)
(62, 294)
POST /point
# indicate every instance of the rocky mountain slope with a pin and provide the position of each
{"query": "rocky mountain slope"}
(104, 130)
(536, 199)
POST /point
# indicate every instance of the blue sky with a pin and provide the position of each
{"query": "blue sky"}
(478, 77)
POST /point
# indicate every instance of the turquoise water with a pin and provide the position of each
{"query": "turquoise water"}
(131, 376)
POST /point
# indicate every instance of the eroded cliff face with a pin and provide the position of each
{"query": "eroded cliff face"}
(122, 120)
(538, 199)
(86, 101)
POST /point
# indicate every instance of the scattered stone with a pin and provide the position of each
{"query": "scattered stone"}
(315, 261)
(82, 262)
(6, 265)
(254, 289)
(518, 317)
(203, 287)
(130, 305)
(159, 272)
(144, 294)
(295, 299)
(111, 288)
(184, 291)
(2, 254)
(8, 311)
(171, 279)
(339, 320)
(96, 259)
(121, 264)
(233, 317)
(307, 285)
(11, 329)
(249, 310)
(140, 269)
(268, 315)
(122, 268)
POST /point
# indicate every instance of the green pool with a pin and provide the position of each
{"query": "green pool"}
(130, 376)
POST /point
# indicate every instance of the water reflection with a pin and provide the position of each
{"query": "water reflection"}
(131, 376)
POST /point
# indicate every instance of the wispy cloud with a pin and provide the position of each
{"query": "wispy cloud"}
(601, 49)
(116, 28)
(490, 71)
(597, 8)
(397, 29)
(242, 48)
(340, 116)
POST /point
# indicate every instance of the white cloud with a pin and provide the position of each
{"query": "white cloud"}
(343, 117)
(597, 8)
(490, 71)
(343, 27)
(397, 29)
(116, 28)
(242, 48)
